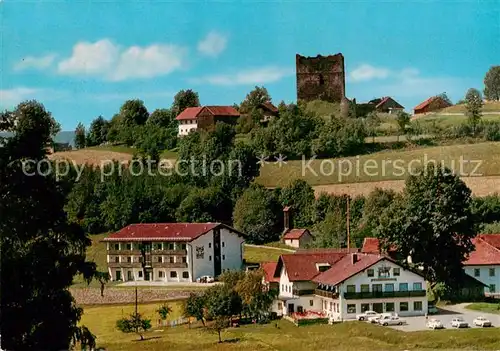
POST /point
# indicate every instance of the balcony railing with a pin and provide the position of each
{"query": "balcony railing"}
(123, 252)
(169, 265)
(300, 292)
(169, 252)
(124, 265)
(324, 293)
(382, 294)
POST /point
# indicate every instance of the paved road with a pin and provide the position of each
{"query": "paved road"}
(446, 315)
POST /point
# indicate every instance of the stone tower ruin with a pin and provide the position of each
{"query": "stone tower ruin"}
(320, 78)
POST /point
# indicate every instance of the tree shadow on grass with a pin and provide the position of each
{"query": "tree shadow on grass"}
(231, 341)
(148, 338)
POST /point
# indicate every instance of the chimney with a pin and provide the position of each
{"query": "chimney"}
(286, 219)
(354, 258)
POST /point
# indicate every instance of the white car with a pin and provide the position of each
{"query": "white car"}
(366, 315)
(481, 322)
(435, 324)
(205, 279)
(459, 322)
(390, 320)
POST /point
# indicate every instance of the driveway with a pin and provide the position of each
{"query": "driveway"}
(445, 315)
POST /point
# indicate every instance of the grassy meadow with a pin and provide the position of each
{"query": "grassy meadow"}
(487, 307)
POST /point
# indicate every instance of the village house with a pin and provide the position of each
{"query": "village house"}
(269, 111)
(298, 238)
(340, 283)
(386, 105)
(433, 103)
(205, 117)
(173, 252)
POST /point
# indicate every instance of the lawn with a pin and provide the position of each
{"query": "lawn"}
(487, 307)
(254, 254)
(492, 106)
(357, 336)
(382, 166)
(445, 121)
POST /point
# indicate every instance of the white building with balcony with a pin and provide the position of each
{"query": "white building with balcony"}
(173, 252)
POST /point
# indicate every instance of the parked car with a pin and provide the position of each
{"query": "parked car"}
(205, 279)
(432, 309)
(459, 322)
(435, 324)
(390, 320)
(366, 315)
(481, 322)
(375, 319)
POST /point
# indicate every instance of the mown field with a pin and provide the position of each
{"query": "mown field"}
(487, 307)
(491, 106)
(285, 336)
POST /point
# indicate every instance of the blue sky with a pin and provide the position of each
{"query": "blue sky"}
(86, 58)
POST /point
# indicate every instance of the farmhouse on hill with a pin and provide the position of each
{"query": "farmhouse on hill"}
(173, 252)
(433, 103)
(386, 105)
(269, 111)
(297, 238)
(205, 117)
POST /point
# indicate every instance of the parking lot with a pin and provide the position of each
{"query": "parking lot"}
(445, 316)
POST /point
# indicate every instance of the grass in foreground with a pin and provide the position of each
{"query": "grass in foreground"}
(487, 307)
(382, 165)
(130, 150)
(357, 336)
(262, 254)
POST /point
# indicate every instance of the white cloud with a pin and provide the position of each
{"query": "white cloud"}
(367, 72)
(261, 75)
(213, 44)
(11, 97)
(112, 62)
(32, 62)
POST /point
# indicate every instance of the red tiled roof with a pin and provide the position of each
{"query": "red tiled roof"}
(162, 231)
(492, 239)
(269, 268)
(189, 113)
(268, 105)
(302, 266)
(424, 103)
(326, 251)
(385, 99)
(295, 233)
(223, 111)
(345, 268)
(485, 252)
(372, 246)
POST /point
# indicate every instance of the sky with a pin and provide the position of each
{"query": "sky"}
(84, 59)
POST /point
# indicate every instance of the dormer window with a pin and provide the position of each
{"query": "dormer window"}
(321, 267)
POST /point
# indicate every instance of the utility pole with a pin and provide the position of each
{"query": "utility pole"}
(348, 224)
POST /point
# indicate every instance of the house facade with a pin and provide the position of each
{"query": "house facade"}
(387, 105)
(205, 118)
(431, 104)
(173, 252)
(341, 284)
(297, 238)
(484, 263)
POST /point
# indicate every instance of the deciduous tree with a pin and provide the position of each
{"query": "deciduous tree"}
(194, 306)
(403, 119)
(184, 99)
(474, 105)
(492, 83)
(135, 323)
(80, 140)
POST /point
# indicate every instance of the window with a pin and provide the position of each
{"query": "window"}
(396, 272)
(129, 275)
(117, 246)
(403, 286)
(492, 288)
(184, 259)
(160, 259)
(282, 287)
(389, 306)
(389, 287)
(331, 306)
(139, 274)
(118, 275)
(209, 245)
(140, 258)
(129, 259)
(370, 272)
(210, 258)
(365, 307)
(403, 306)
(171, 259)
(492, 272)
(351, 308)
(365, 287)
(223, 257)
(417, 286)
(417, 306)
(183, 246)
(171, 246)
(117, 259)
(384, 272)
(173, 274)
(477, 272)
(185, 275)
(160, 274)
(223, 244)
(351, 288)
(377, 287)
(129, 246)
(158, 246)
(311, 303)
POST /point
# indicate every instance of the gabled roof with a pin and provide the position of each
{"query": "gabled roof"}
(295, 234)
(428, 102)
(492, 239)
(387, 98)
(301, 266)
(189, 113)
(372, 246)
(164, 231)
(485, 252)
(345, 268)
(269, 268)
(269, 106)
